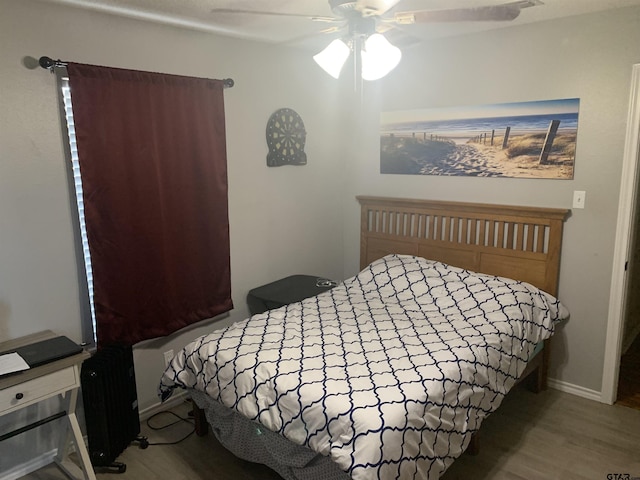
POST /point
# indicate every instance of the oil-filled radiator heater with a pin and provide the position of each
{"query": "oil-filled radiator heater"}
(111, 405)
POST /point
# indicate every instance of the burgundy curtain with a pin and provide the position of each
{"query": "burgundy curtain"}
(153, 165)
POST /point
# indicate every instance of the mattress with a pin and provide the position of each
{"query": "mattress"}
(388, 374)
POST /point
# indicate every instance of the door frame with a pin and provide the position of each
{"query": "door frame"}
(623, 244)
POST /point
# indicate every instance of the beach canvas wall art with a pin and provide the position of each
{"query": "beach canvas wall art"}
(513, 140)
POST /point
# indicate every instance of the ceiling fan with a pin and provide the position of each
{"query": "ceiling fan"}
(365, 22)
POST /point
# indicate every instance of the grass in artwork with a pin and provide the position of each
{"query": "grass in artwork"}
(417, 155)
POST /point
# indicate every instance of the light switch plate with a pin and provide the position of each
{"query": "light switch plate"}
(579, 198)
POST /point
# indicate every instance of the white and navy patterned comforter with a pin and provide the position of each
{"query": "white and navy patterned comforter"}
(389, 373)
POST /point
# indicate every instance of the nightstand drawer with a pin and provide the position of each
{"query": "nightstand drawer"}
(37, 389)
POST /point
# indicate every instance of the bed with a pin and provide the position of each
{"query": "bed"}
(390, 374)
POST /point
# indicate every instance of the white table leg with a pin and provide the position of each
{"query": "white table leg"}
(72, 432)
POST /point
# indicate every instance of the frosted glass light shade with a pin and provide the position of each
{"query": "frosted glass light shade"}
(333, 57)
(379, 57)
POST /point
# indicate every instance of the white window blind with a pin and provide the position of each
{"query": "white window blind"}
(77, 181)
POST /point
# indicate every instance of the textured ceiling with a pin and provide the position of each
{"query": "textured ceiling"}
(304, 32)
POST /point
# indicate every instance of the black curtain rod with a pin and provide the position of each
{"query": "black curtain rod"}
(50, 64)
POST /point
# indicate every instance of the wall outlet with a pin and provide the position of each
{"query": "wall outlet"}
(168, 355)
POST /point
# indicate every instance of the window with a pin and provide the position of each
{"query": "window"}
(90, 323)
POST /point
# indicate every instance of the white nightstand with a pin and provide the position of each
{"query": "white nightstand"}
(61, 377)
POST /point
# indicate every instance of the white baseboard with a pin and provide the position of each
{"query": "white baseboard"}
(574, 389)
(26, 468)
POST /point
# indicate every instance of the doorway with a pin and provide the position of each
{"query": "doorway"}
(629, 378)
(628, 215)
(628, 393)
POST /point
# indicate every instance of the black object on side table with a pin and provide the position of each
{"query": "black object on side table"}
(286, 290)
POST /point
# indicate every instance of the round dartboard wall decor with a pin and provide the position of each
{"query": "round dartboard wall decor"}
(285, 138)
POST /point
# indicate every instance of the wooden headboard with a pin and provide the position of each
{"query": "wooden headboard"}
(522, 243)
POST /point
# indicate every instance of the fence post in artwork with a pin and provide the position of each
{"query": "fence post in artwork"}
(413, 134)
(424, 136)
(548, 142)
(493, 134)
(506, 138)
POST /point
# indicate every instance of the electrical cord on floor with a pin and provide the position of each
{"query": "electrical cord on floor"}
(170, 424)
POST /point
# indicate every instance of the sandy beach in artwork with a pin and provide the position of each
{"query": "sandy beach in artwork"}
(466, 157)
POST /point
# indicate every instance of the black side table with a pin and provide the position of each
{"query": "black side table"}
(286, 290)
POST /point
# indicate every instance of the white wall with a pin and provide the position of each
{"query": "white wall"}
(283, 220)
(589, 57)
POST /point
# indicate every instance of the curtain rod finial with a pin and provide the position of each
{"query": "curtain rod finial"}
(46, 62)
(50, 64)
(228, 82)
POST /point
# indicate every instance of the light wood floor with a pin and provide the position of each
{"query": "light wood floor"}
(551, 435)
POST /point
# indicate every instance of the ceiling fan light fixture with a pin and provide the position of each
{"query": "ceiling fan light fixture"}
(379, 57)
(333, 57)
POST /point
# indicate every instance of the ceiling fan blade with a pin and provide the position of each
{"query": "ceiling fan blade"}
(496, 13)
(316, 18)
(333, 29)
